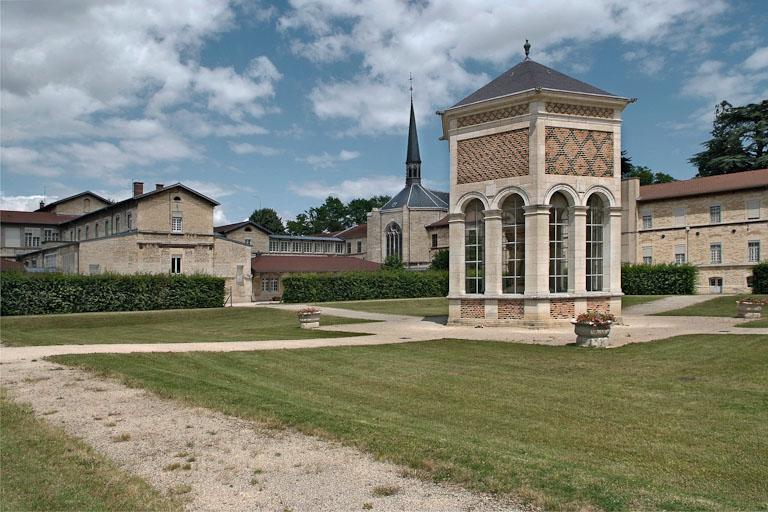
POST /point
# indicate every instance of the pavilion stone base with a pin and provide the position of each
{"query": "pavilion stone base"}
(530, 311)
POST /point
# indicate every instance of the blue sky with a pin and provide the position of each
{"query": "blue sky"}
(281, 104)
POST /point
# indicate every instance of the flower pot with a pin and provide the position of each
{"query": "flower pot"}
(309, 320)
(591, 335)
(752, 310)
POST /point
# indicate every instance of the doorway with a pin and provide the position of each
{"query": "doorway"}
(715, 285)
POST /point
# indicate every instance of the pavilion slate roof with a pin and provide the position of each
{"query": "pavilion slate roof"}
(529, 75)
(417, 196)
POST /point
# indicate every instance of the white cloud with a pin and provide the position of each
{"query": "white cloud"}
(246, 148)
(219, 217)
(325, 159)
(213, 190)
(649, 63)
(444, 40)
(349, 189)
(757, 60)
(23, 203)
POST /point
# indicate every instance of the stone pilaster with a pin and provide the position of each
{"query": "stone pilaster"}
(577, 251)
(612, 249)
(456, 254)
(537, 249)
(493, 252)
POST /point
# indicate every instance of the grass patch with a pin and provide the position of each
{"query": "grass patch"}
(121, 438)
(436, 306)
(176, 326)
(45, 469)
(634, 300)
(678, 424)
(763, 322)
(723, 306)
(381, 491)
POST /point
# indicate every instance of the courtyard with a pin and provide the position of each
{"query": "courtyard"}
(387, 407)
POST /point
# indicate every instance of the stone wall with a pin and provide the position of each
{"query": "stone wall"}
(154, 212)
(259, 239)
(572, 151)
(494, 156)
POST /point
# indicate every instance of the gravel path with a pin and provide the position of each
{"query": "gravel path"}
(237, 465)
(667, 304)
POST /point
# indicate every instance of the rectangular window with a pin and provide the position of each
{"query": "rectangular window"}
(31, 240)
(129, 221)
(753, 209)
(47, 235)
(340, 248)
(176, 224)
(349, 247)
(96, 230)
(434, 240)
(359, 246)
(714, 214)
(680, 254)
(648, 255)
(106, 228)
(247, 241)
(283, 246)
(50, 262)
(595, 220)
(175, 264)
(239, 275)
(715, 253)
(78, 233)
(753, 251)
(679, 217)
(647, 221)
(87, 230)
(512, 245)
(117, 224)
(269, 284)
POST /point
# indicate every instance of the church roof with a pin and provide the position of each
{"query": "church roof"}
(417, 196)
(526, 76)
(412, 155)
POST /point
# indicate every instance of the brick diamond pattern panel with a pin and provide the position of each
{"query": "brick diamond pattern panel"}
(575, 152)
(491, 157)
(580, 110)
(561, 309)
(492, 115)
(511, 310)
(472, 308)
(599, 306)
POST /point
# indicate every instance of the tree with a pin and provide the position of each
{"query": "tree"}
(357, 209)
(333, 215)
(739, 140)
(439, 260)
(300, 226)
(646, 175)
(268, 218)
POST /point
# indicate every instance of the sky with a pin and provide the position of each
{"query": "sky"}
(279, 105)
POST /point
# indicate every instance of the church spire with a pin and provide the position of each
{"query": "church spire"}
(413, 158)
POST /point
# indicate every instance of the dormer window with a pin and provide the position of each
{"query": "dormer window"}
(177, 198)
(248, 230)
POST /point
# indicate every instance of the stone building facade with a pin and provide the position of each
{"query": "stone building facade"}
(167, 230)
(718, 223)
(535, 203)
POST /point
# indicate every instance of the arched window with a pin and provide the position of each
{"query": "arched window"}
(558, 244)
(87, 204)
(474, 248)
(394, 241)
(117, 224)
(595, 220)
(513, 240)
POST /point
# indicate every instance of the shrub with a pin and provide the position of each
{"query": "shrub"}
(364, 285)
(44, 293)
(393, 263)
(440, 260)
(662, 279)
(760, 278)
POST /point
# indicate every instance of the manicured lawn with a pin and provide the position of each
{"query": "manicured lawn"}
(45, 469)
(634, 300)
(718, 306)
(435, 306)
(763, 322)
(679, 424)
(177, 326)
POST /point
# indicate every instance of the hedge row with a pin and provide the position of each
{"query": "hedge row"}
(662, 279)
(760, 278)
(44, 293)
(364, 285)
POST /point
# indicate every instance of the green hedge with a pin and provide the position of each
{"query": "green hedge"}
(760, 278)
(44, 293)
(364, 285)
(662, 279)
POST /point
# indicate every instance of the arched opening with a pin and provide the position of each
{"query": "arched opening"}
(513, 245)
(558, 243)
(595, 245)
(474, 248)
(394, 240)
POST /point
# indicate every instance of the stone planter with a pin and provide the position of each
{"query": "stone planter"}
(751, 310)
(309, 320)
(591, 335)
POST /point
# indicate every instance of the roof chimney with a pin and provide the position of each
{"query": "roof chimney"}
(138, 188)
(159, 186)
(42, 204)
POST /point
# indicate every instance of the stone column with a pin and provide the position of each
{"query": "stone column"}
(577, 253)
(493, 255)
(537, 249)
(612, 251)
(456, 254)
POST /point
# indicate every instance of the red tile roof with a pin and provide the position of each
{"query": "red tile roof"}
(709, 185)
(439, 224)
(285, 263)
(359, 231)
(19, 217)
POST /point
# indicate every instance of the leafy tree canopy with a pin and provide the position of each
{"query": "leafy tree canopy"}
(739, 140)
(268, 218)
(334, 215)
(646, 175)
(440, 260)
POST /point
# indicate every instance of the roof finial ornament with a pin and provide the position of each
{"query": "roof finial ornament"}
(527, 48)
(410, 79)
